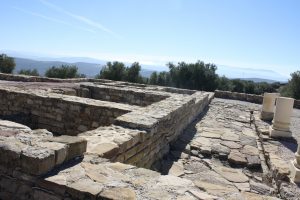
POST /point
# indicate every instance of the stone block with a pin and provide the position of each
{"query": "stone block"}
(279, 133)
(76, 145)
(106, 150)
(84, 189)
(118, 194)
(237, 158)
(37, 160)
(10, 152)
(295, 172)
(59, 149)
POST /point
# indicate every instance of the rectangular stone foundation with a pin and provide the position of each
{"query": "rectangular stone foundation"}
(135, 129)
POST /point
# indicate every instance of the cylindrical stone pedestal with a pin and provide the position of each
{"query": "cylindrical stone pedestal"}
(267, 111)
(295, 169)
(282, 118)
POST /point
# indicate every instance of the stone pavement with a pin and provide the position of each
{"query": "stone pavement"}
(223, 155)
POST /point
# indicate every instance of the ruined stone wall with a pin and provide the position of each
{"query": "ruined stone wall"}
(113, 132)
(132, 96)
(252, 98)
(143, 136)
(25, 78)
(163, 122)
(58, 113)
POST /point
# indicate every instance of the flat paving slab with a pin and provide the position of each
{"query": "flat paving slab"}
(223, 154)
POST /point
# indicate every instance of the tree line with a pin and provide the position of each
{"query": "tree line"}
(195, 76)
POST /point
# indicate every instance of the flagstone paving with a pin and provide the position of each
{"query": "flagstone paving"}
(224, 155)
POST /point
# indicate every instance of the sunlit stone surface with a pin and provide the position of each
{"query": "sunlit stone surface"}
(295, 167)
(282, 118)
(268, 106)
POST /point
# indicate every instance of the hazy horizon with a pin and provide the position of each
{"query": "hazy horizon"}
(243, 34)
(91, 67)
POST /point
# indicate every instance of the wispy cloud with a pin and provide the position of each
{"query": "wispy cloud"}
(81, 18)
(54, 20)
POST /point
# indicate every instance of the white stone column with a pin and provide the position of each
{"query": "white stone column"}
(282, 118)
(267, 111)
(295, 167)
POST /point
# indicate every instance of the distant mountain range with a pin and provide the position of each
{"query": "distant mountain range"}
(259, 80)
(256, 75)
(90, 67)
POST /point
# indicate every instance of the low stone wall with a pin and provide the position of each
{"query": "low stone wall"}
(163, 122)
(111, 132)
(25, 78)
(252, 98)
(143, 138)
(61, 114)
(121, 84)
(132, 96)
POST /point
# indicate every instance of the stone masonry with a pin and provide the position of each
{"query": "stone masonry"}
(101, 139)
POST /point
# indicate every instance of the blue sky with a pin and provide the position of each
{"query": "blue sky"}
(262, 34)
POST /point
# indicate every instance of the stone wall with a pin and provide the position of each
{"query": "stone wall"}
(111, 133)
(141, 138)
(60, 114)
(252, 98)
(25, 78)
(133, 96)
(162, 122)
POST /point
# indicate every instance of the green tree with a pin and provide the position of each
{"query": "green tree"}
(198, 76)
(153, 78)
(238, 85)
(249, 87)
(133, 73)
(113, 71)
(29, 72)
(164, 79)
(7, 64)
(64, 71)
(292, 89)
(225, 84)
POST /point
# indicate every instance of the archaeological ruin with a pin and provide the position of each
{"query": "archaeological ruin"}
(101, 139)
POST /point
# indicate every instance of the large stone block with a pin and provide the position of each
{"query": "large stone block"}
(76, 145)
(60, 150)
(37, 160)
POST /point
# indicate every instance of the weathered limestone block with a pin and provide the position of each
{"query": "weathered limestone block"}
(282, 118)
(279, 167)
(215, 189)
(232, 175)
(85, 189)
(37, 160)
(118, 194)
(106, 150)
(76, 145)
(268, 106)
(10, 153)
(237, 158)
(295, 167)
(60, 150)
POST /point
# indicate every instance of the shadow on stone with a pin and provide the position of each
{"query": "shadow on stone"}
(180, 148)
